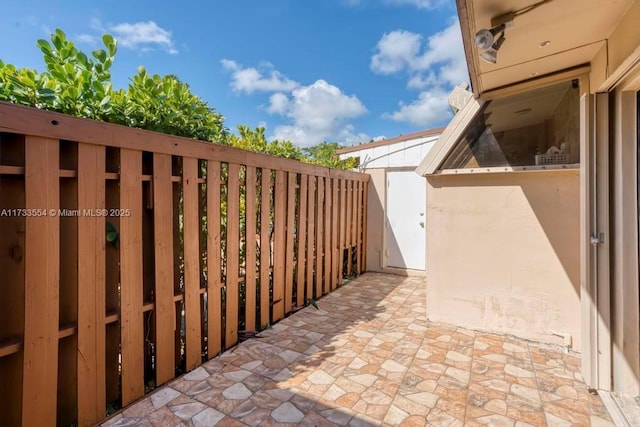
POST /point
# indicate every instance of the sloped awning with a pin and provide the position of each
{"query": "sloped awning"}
(452, 133)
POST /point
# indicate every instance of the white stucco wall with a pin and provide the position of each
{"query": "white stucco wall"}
(397, 155)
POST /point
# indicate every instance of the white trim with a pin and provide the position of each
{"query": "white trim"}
(601, 206)
(511, 169)
(452, 133)
(624, 70)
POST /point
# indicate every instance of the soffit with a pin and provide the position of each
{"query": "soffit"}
(576, 30)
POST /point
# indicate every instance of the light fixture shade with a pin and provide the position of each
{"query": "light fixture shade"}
(484, 39)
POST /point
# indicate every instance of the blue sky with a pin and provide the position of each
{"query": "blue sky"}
(334, 70)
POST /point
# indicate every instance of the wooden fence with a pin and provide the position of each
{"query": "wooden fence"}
(128, 257)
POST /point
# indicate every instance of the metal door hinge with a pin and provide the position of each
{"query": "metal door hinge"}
(597, 239)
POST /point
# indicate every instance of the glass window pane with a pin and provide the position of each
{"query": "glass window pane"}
(540, 126)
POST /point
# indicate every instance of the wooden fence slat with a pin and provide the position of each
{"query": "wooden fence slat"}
(365, 196)
(343, 227)
(359, 229)
(233, 256)
(214, 297)
(164, 310)
(265, 246)
(327, 236)
(335, 234)
(42, 281)
(250, 251)
(319, 236)
(280, 218)
(311, 226)
(302, 241)
(291, 218)
(354, 212)
(191, 240)
(91, 364)
(349, 225)
(131, 324)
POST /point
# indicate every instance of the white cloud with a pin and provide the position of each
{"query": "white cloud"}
(318, 112)
(430, 108)
(420, 4)
(251, 79)
(142, 36)
(86, 39)
(396, 51)
(441, 57)
(278, 103)
(434, 66)
(313, 114)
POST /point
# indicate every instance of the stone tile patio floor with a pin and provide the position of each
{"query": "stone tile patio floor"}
(369, 357)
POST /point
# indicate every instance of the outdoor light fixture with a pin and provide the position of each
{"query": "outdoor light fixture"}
(489, 41)
(485, 38)
(491, 54)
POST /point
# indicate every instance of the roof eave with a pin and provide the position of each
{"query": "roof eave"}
(395, 140)
(468, 43)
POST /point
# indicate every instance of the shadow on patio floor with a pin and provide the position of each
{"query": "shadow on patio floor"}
(369, 357)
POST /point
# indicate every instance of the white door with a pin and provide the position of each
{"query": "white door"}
(406, 209)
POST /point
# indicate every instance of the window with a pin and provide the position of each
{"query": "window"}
(538, 127)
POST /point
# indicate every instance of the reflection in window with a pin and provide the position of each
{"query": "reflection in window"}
(536, 127)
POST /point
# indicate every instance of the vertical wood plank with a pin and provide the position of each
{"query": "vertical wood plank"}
(311, 226)
(343, 227)
(214, 297)
(233, 259)
(191, 240)
(302, 241)
(354, 212)
(349, 225)
(291, 218)
(280, 218)
(165, 317)
(319, 236)
(365, 196)
(265, 246)
(250, 251)
(359, 227)
(12, 232)
(91, 365)
(327, 235)
(132, 337)
(335, 233)
(42, 281)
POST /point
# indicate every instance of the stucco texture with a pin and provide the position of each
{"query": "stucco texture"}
(503, 253)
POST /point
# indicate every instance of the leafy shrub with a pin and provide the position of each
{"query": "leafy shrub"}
(80, 85)
(77, 84)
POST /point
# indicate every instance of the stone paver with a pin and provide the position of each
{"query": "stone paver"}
(369, 357)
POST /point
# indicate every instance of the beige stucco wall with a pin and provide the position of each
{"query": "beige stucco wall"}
(376, 203)
(503, 253)
(621, 43)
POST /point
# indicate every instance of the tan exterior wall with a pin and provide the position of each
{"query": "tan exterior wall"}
(376, 203)
(503, 253)
(621, 43)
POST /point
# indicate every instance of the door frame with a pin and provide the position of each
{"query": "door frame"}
(385, 261)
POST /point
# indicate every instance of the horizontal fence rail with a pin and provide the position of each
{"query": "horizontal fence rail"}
(129, 257)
